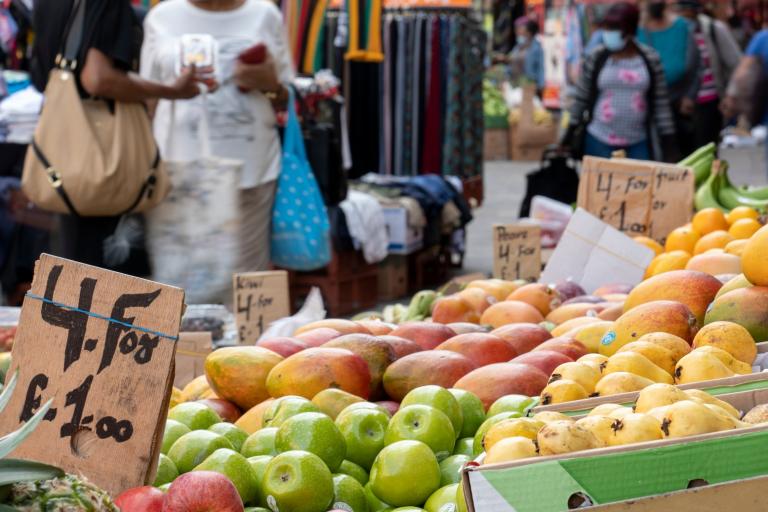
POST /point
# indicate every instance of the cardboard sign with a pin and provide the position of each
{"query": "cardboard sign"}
(516, 251)
(637, 197)
(101, 345)
(193, 348)
(260, 299)
(593, 254)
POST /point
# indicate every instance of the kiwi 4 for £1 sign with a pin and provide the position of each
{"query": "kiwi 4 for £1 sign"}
(101, 345)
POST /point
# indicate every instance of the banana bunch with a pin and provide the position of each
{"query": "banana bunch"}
(718, 192)
(421, 305)
(701, 162)
(395, 314)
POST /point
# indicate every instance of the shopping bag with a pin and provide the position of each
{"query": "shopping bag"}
(300, 227)
(193, 236)
(556, 179)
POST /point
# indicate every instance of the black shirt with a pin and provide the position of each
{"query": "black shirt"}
(110, 26)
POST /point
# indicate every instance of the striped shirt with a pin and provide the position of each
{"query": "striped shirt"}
(708, 89)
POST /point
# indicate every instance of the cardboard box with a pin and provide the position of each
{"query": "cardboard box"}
(615, 474)
(403, 239)
(393, 278)
(496, 144)
(191, 351)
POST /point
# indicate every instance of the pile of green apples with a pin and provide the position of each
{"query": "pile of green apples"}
(363, 459)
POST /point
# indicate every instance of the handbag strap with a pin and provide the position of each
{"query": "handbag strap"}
(73, 36)
(294, 141)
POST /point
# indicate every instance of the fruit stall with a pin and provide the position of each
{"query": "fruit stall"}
(486, 394)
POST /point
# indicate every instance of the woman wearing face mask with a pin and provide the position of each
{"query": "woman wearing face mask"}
(527, 57)
(621, 99)
(672, 37)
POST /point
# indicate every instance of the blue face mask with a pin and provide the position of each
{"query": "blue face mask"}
(521, 40)
(614, 40)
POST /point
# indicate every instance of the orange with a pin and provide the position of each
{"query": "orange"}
(754, 259)
(741, 212)
(708, 220)
(714, 240)
(650, 243)
(736, 247)
(675, 260)
(682, 239)
(744, 228)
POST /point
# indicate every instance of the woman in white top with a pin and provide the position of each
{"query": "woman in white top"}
(241, 111)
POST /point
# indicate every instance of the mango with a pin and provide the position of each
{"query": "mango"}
(510, 312)
(195, 389)
(591, 334)
(637, 364)
(310, 371)
(492, 382)
(440, 367)
(715, 264)
(692, 288)
(567, 312)
(239, 374)
(735, 283)
(541, 296)
(747, 307)
(337, 324)
(332, 401)
(378, 354)
(657, 316)
(253, 419)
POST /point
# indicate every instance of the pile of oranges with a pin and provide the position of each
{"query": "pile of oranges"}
(712, 242)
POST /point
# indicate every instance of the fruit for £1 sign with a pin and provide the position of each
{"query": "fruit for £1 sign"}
(260, 299)
(516, 251)
(101, 345)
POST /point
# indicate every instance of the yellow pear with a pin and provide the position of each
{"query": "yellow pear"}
(637, 364)
(728, 360)
(658, 355)
(688, 418)
(635, 428)
(659, 412)
(561, 391)
(699, 366)
(523, 427)
(591, 334)
(511, 448)
(758, 414)
(700, 396)
(621, 382)
(596, 361)
(729, 336)
(604, 409)
(658, 395)
(565, 437)
(620, 412)
(725, 416)
(582, 373)
(600, 426)
(550, 416)
(675, 344)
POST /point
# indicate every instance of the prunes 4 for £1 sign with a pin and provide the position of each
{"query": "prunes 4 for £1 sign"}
(101, 345)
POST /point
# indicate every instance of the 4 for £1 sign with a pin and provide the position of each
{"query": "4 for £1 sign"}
(101, 345)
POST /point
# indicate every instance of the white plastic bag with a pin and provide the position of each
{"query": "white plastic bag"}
(312, 311)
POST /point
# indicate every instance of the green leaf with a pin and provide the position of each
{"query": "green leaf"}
(5, 397)
(9, 442)
(6, 508)
(15, 470)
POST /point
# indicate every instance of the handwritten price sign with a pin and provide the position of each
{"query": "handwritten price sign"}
(260, 299)
(102, 345)
(516, 251)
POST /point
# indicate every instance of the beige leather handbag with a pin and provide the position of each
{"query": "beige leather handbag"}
(86, 158)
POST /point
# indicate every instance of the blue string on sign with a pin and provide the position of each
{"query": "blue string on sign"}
(102, 317)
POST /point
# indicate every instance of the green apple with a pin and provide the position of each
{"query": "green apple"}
(443, 499)
(511, 403)
(422, 423)
(166, 471)
(313, 432)
(363, 405)
(165, 487)
(477, 444)
(259, 465)
(194, 415)
(357, 472)
(256, 509)
(408, 509)
(235, 467)
(439, 398)
(285, 407)
(173, 431)
(405, 473)
(363, 431)
(464, 446)
(193, 448)
(236, 435)
(450, 469)
(460, 501)
(261, 442)
(348, 494)
(472, 411)
(374, 503)
(298, 481)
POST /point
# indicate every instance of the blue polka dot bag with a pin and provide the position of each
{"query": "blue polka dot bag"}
(300, 227)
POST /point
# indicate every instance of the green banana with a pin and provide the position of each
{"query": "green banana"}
(703, 152)
(759, 193)
(702, 169)
(707, 194)
(421, 305)
(730, 197)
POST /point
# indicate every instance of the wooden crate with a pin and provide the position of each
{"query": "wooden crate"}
(393, 278)
(342, 296)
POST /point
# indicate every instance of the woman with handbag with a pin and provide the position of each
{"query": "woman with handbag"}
(620, 101)
(93, 158)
